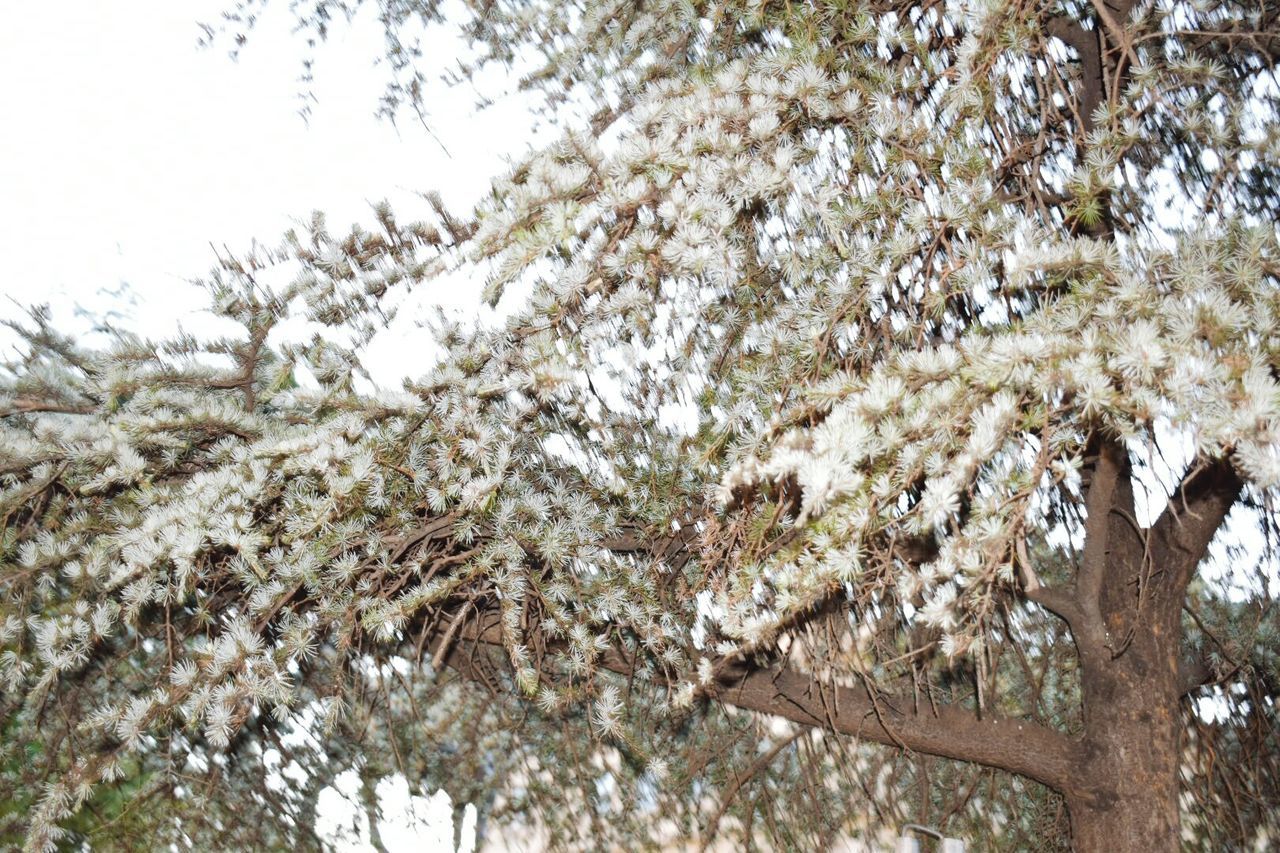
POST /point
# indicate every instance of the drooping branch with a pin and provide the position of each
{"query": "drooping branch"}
(762, 762)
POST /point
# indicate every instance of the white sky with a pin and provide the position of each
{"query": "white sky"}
(126, 151)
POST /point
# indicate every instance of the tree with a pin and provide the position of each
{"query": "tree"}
(878, 374)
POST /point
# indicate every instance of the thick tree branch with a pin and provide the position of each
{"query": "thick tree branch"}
(1191, 517)
(1014, 745)
(1089, 50)
(675, 548)
(28, 406)
(1060, 601)
(1018, 746)
(1110, 494)
(1192, 675)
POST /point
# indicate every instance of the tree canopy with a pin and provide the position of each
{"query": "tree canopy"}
(883, 428)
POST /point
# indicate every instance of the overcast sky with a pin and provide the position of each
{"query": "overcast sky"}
(127, 152)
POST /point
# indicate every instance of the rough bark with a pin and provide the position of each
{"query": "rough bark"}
(1126, 619)
(1126, 794)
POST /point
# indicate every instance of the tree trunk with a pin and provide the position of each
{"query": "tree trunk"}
(1127, 795)
(1131, 803)
(1128, 632)
(1131, 823)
